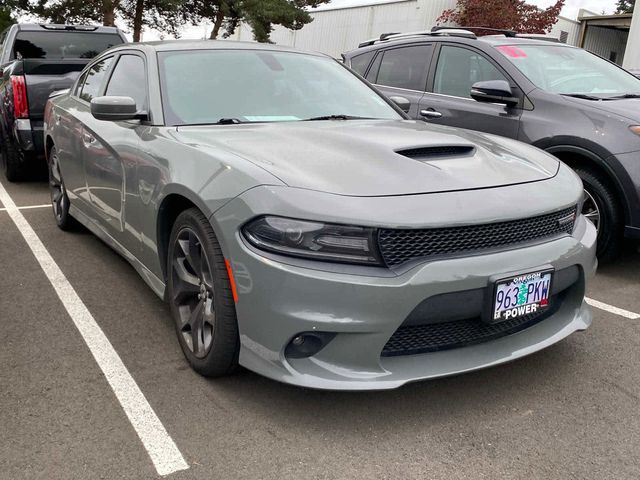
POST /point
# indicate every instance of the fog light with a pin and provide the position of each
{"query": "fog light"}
(307, 344)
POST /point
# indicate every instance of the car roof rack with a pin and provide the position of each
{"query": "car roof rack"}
(505, 32)
(450, 31)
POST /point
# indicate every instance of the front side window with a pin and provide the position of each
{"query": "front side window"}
(405, 67)
(129, 80)
(207, 86)
(566, 70)
(459, 68)
(93, 80)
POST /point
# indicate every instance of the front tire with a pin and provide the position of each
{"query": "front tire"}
(603, 209)
(200, 296)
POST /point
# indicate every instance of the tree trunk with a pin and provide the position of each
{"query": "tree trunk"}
(137, 20)
(217, 24)
(109, 12)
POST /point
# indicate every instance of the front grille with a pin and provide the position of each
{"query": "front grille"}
(414, 339)
(402, 245)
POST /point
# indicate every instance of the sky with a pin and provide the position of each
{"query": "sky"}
(570, 9)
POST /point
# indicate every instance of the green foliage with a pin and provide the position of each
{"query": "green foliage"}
(168, 16)
(260, 15)
(625, 6)
(6, 19)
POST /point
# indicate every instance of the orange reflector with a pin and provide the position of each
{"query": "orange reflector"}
(232, 281)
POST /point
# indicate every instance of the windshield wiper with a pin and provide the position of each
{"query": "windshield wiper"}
(584, 96)
(336, 117)
(228, 121)
(626, 95)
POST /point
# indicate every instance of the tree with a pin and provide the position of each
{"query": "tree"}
(260, 15)
(6, 19)
(516, 15)
(625, 6)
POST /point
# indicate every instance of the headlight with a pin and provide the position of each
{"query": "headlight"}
(315, 240)
(635, 129)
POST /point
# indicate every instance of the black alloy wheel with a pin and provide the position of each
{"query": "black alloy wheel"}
(59, 198)
(200, 296)
(193, 292)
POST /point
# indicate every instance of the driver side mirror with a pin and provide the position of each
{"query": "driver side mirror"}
(494, 91)
(115, 109)
(403, 103)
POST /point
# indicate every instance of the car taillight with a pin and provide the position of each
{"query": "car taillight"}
(20, 105)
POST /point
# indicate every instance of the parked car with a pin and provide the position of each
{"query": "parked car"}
(302, 227)
(565, 100)
(35, 61)
(635, 73)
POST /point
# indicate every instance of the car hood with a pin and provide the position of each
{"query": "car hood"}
(376, 157)
(628, 108)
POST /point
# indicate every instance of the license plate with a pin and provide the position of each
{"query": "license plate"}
(521, 295)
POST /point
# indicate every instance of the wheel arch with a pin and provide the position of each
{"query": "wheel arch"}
(175, 201)
(575, 156)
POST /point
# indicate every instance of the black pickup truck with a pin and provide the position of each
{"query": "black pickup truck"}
(36, 60)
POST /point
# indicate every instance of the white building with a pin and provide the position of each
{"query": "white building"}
(337, 30)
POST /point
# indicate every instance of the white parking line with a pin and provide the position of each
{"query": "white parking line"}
(160, 446)
(29, 207)
(611, 309)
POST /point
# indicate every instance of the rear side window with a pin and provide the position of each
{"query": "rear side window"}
(459, 68)
(62, 45)
(94, 79)
(405, 67)
(359, 63)
(129, 80)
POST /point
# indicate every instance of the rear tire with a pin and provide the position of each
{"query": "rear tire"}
(602, 196)
(59, 199)
(200, 296)
(12, 161)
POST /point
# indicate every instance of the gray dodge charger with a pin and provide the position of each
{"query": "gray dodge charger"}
(301, 226)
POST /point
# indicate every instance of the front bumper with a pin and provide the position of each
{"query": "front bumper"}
(279, 298)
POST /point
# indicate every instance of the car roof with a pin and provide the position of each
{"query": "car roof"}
(177, 45)
(52, 27)
(487, 40)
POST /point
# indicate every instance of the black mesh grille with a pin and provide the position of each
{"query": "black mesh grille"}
(411, 340)
(400, 246)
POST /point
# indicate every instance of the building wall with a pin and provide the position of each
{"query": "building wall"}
(334, 31)
(606, 42)
(571, 27)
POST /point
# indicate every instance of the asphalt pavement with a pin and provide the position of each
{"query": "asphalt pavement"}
(571, 411)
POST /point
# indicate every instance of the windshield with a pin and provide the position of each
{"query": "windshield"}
(237, 86)
(62, 45)
(564, 70)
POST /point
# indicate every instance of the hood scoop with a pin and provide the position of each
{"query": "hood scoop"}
(424, 154)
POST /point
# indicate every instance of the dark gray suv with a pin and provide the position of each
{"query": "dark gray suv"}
(575, 105)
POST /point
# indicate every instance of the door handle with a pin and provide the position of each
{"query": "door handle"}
(430, 114)
(87, 139)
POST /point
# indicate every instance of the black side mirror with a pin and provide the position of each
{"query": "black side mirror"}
(494, 91)
(403, 103)
(115, 109)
